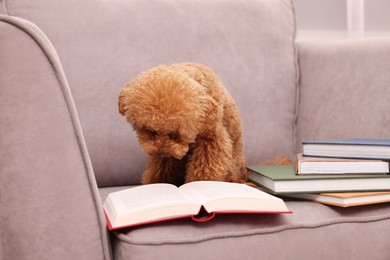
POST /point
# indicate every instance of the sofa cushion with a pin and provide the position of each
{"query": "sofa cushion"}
(104, 44)
(313, 231)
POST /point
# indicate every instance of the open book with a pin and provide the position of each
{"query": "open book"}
(199, 200)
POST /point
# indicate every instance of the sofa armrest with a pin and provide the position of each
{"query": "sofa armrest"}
(344, 90)
(49, 203)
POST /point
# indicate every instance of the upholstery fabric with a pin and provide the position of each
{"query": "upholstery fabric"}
(49, 201)
(343, 90)
(41, 145)
(104, 44)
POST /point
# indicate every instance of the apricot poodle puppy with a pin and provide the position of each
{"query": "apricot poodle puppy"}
(187, 123)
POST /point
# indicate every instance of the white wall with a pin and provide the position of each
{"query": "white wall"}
(327, 19)
(377, 15)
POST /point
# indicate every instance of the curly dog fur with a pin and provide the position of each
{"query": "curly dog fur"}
(187, 123)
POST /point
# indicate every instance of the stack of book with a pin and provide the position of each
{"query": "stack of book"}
(340, 172)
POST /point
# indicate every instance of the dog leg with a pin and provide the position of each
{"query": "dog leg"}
(212, 159)
(164, 170)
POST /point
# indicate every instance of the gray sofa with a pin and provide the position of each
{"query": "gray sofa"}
(64, 146)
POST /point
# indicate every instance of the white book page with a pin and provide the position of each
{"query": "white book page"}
(145, 197)
(148, 203)
(225, 196)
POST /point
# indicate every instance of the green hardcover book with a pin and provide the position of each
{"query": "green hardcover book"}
(282, 179)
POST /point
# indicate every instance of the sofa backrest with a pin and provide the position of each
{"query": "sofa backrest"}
(104, 44)
(344, 90)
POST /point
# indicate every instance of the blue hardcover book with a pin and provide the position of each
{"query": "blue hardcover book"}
(378, 149)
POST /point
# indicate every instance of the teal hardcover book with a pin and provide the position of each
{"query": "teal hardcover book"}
(280, 179)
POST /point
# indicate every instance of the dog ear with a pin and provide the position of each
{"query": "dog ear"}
(211, 113)
(122, 103)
